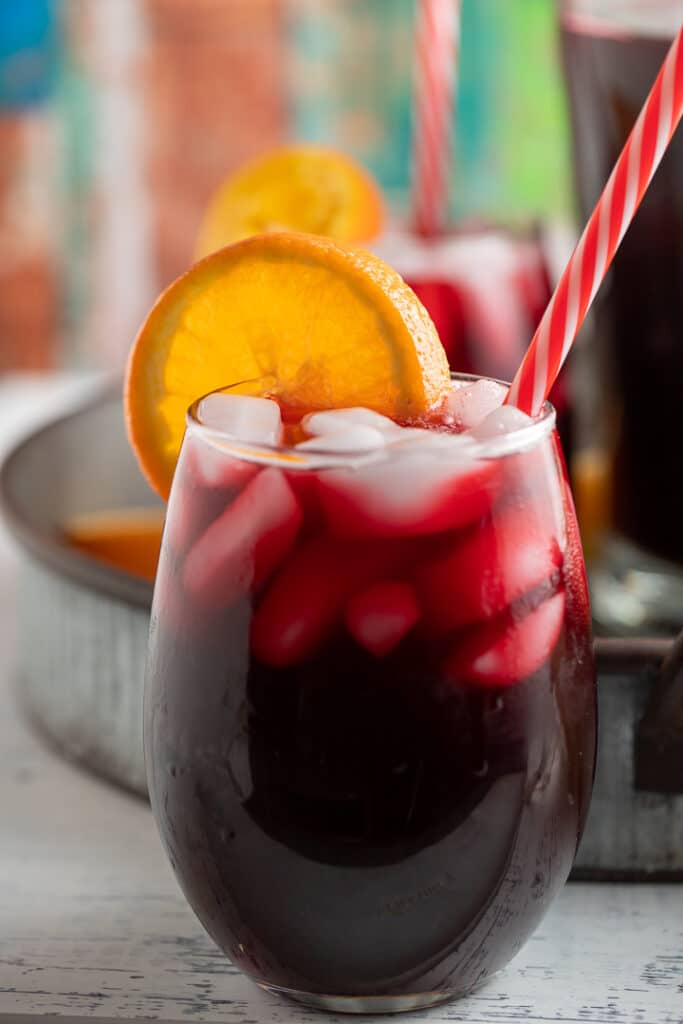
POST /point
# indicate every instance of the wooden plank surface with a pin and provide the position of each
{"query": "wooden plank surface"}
(92, 923)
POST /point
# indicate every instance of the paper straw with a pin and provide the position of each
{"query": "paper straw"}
(437, 36)
(600, 240)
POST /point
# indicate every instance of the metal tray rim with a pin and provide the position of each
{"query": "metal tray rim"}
(47, 548)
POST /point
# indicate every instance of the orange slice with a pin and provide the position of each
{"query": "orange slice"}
(128, 539)
(330, 326)
(302, 188)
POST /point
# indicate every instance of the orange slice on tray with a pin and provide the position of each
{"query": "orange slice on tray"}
(331, 327)
(300, 188)
(128, 539)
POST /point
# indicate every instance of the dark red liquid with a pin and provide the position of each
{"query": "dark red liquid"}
(353, 809)
(640, 307)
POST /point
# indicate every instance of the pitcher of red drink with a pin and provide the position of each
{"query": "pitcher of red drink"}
(630, 425)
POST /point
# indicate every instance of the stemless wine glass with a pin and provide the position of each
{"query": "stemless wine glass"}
(370, 706)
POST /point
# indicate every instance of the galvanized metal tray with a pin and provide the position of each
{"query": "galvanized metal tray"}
(84, 634)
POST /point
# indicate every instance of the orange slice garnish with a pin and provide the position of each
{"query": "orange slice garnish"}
(128, 539)
(330, 326)
(299, 188)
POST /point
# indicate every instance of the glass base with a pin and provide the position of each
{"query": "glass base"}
(364, 1004)
(634, 593)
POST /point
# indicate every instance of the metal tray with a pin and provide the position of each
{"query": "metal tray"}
(84, 634)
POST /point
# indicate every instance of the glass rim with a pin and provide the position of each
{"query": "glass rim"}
(290, 457)
(656, 19)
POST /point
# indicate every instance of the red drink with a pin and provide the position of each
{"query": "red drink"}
(370, 707)
(631, 390)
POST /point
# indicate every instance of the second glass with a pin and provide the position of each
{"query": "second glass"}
(370, 708)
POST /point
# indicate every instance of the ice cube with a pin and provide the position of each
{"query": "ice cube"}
(504, 651)
(481, 573)
(351, 439)
(409, 493)
(244, 417)
(432, 443)
(379, 617)
(467, 406)
(336, 421)
(305, 602)
(503, 420)
(240, 548)
(205, 465)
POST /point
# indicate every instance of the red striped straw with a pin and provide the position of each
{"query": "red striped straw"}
(437, 38)
(600, 240)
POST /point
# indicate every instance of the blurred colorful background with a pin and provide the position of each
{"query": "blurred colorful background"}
(118, 119)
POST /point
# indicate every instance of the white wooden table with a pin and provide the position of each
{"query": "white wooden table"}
(93, 925)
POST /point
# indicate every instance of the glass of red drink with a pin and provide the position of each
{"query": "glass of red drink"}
(454, 276)
(370, 697)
